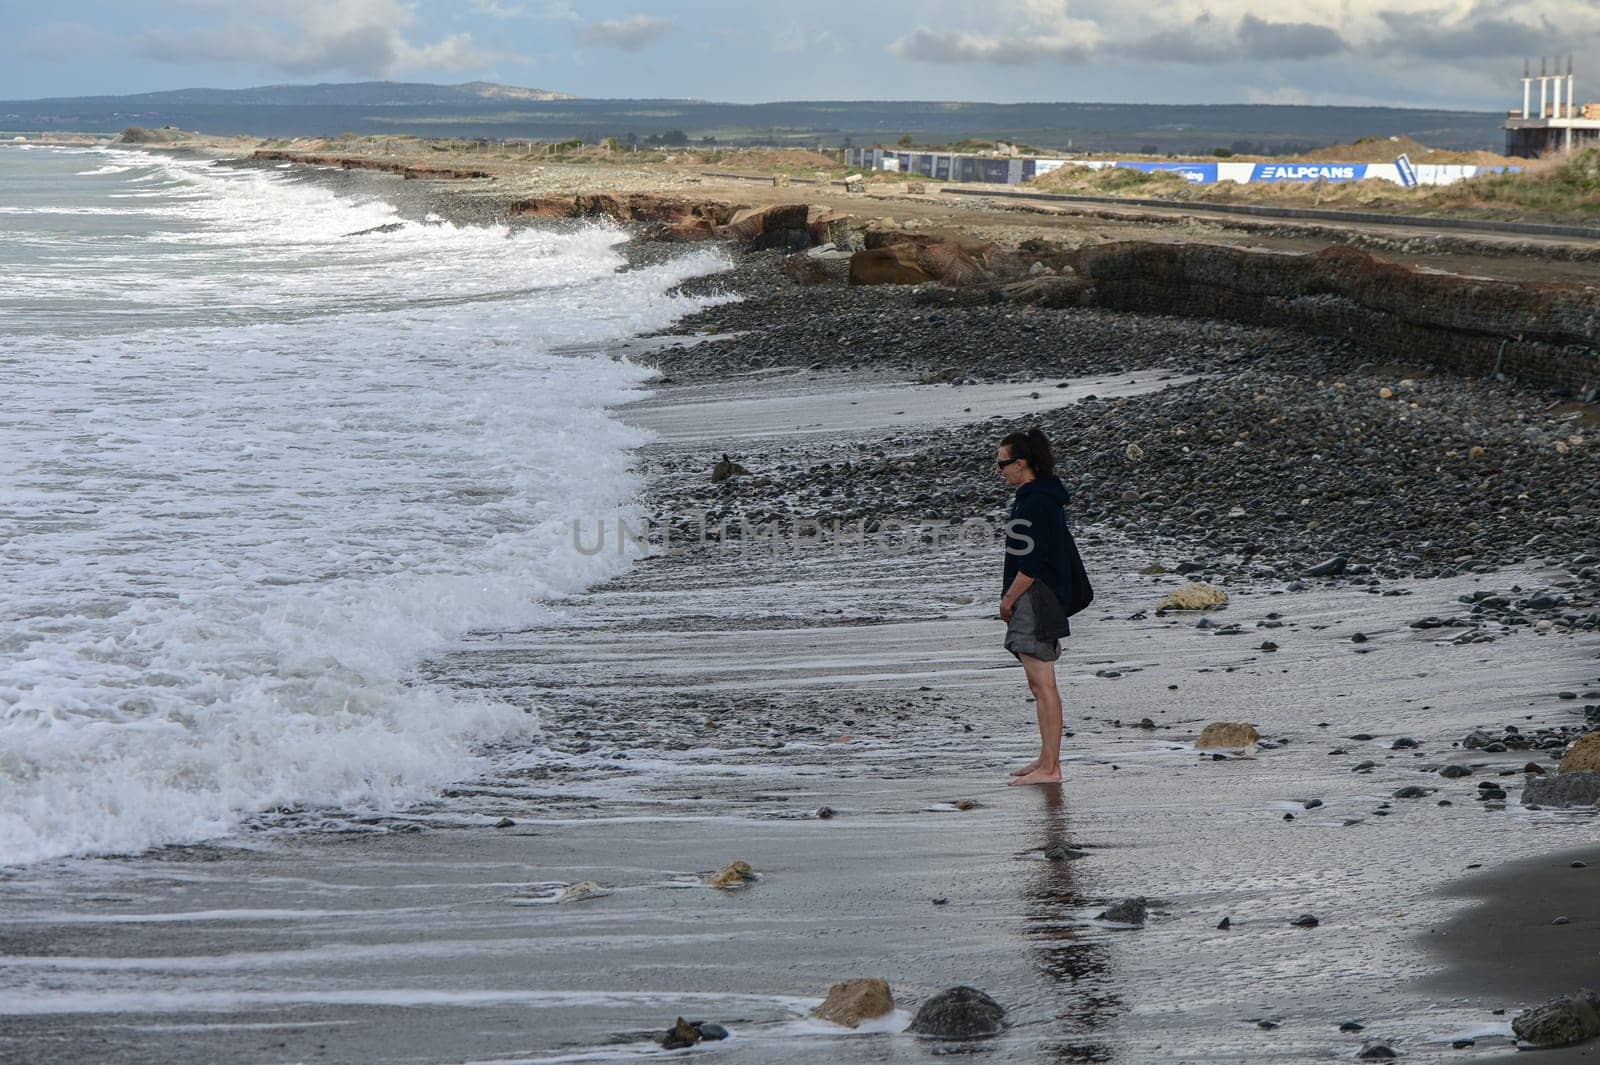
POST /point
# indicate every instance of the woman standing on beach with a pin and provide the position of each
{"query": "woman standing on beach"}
(1037, 586)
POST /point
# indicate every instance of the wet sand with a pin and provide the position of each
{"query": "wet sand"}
(1509, 944)
(702, 708)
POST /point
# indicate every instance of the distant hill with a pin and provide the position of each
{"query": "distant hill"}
(345, 94)
(482, 109)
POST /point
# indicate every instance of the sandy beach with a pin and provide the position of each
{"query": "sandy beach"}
(842, 716)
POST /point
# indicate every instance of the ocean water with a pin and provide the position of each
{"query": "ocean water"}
(253, 470)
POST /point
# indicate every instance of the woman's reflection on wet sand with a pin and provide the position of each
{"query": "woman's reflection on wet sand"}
(1052, 924)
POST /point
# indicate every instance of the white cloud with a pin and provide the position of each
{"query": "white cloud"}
(631, 34)
(794, 38)
(1035, 31)
(365, 38)
(1215, 32)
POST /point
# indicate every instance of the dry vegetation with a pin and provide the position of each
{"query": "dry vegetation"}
(1556, 189)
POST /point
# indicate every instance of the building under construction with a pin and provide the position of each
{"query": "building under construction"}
(1557, 123)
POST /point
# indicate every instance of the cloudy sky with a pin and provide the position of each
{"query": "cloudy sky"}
(1449, 53)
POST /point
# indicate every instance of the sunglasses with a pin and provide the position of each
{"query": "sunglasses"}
(1003, 463)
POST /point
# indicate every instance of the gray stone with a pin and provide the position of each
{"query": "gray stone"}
(1127, 911)
(1374, 1049)
(1561, 1022)
(959, 1013)
(1563, 790)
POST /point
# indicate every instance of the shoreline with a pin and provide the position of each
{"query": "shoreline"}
(749, 698)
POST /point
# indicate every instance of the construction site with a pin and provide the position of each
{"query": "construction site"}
(1558, 124)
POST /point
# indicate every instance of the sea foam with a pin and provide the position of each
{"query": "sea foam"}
(253, 471)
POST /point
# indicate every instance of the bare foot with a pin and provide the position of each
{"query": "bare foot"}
(1025, 770)
(1038, 776)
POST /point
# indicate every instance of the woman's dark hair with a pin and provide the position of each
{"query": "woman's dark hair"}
(1034, 448)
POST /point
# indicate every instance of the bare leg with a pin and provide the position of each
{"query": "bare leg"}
(1047, 704)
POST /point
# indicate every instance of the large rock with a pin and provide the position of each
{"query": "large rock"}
(1048, 290)
(1561, 1022)
(1581, 788)
(1128, 911)
(853, 1001)
(897, 264)
(1227, 735)
(829, 227)
(782, 226)
(807, 268)
(1196, 595)
(959, 1013)
(736, 874)
(1583, 756)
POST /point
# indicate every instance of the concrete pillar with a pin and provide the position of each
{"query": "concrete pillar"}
(1544, 96)
(1527, 94)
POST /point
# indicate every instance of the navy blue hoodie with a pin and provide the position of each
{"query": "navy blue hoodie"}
(1036, 540)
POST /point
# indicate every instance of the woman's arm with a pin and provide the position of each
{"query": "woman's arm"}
(1019, 584)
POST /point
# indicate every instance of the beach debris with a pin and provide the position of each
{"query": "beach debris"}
(583, 890)
(1560, 1022)
(850, 1002)
(1411, 791)
(1562, 790)
(1227, 735)
(726, 468)
(1196, 595)
(387, 227)
(505, 822)
(1352, 1026)
(1583, 756)
(966, 804)
(1126, 911)
(1135, 453)
(735, 874)
(1306, 920)
(1375, 1049)
(1225, 924)
(688, 1033)
(825, 813)
(959, 1013)
(1063, 853)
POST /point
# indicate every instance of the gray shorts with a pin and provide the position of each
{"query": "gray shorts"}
(1020, 638)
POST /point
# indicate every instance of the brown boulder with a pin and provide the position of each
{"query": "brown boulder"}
(828, 227)
(685, 230)
(951, 266)
(1050, 291)
(1583, 755)
(894, 265)
(1196, 595)
(781, 226)
(1227, 735)
(805, 269)
(853, 1001)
